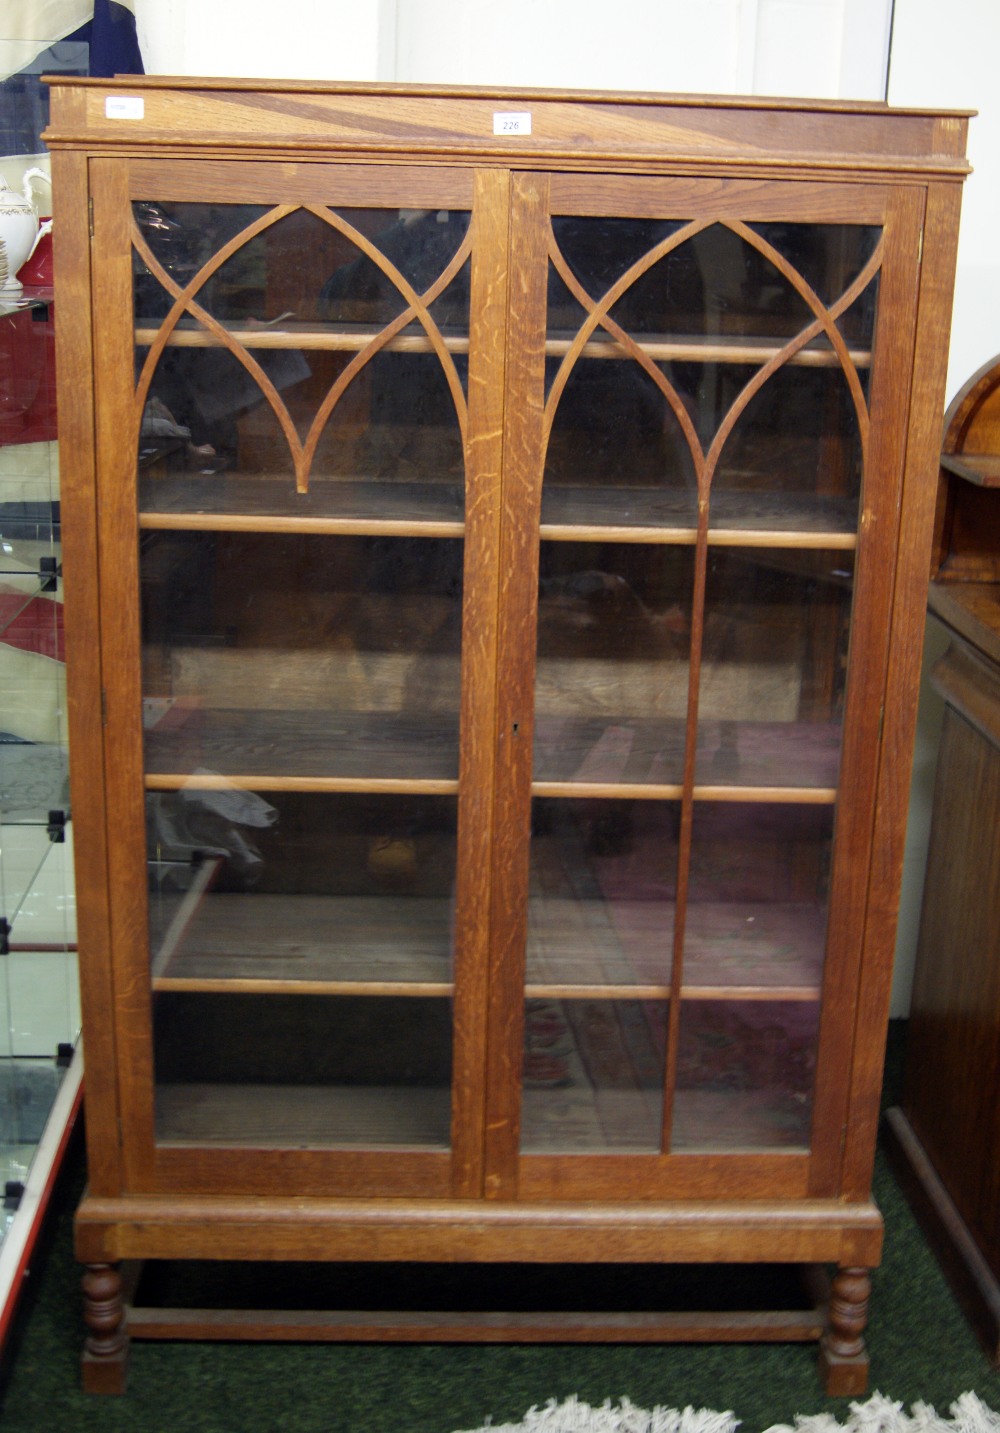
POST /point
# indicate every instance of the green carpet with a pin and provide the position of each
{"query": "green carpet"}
(920, 1345)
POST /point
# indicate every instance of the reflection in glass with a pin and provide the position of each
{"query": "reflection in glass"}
(282, 654)
(715, 283)
(303, 1071)
(773, 672)
(593, 1076)
(757, 897)
(293, 887)
(299, 267)
(303, 383)
(616, 453)
(602, 894)
(612, 671)
(795, 452)
(829, 257)
(745, 1072)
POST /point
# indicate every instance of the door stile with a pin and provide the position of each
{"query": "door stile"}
(518, 589)
(477, 749)
(867, 693)
(118, 419)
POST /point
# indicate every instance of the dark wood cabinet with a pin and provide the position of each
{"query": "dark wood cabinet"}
(946, 1132)
(498, 561)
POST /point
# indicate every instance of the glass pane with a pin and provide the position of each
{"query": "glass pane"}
(593, 1076)
(744, 1075)
(603, 887)
(612, 673)
(630, 431)
(324, 392)
(298, 266)
(303, 1071)
(288, 655)
(617, 454)
(829, 257)
(794, 459)
(293, 887)
(773, 670)
(757, 898)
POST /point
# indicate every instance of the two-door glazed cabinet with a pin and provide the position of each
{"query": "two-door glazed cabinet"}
(496, 532)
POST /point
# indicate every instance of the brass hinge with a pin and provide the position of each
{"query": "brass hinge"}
(90, 215)
(920, 249)
(104, 706)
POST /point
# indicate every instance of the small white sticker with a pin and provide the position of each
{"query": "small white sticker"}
(124, 107)
(518, 122)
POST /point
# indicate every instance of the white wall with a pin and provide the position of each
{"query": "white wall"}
(946, 54)
(300, 39)
(799, 47)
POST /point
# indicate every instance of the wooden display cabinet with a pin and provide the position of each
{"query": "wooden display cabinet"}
(944, 1135)
(497, 561)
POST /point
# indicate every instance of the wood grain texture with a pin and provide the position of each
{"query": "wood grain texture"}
(291, 704)
(953, 1064)
(235, 115)
(84, 674)
(865, 717)
(902, 676)
(678, 1231)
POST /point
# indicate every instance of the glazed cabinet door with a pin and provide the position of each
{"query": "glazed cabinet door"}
(708, 388)
(296, 377)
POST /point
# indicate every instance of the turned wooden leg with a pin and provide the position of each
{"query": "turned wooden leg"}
(105, 1349)
(843, 1359)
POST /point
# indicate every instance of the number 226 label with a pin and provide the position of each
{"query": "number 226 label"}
(512, 123)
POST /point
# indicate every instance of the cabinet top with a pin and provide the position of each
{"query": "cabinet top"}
(526, 127)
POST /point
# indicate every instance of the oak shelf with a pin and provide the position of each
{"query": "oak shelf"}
(662, 348)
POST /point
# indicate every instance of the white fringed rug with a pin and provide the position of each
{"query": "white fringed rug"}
(877, 1415)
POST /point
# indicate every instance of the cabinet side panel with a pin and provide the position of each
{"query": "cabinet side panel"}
(79, 520)
(937, 277)
(953, 1057)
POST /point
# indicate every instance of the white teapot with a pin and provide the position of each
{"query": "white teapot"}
(19, 231)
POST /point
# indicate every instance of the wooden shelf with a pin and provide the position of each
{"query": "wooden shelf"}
(233, 501)
(367, 1117)
(305, 750)
(622, 950)
(397, 945)
(312, 750)
(665, 514)
(250, 943)
(241, 502)
(983, 469)
(738, 761)
(583, 1120)
(345, 338)
(580, 1120)
(972, 609)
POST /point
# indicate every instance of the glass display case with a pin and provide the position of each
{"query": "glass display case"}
(496, 573)
(39, 996)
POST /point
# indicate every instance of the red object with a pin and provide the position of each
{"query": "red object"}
(27, 372)
(36, 271)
